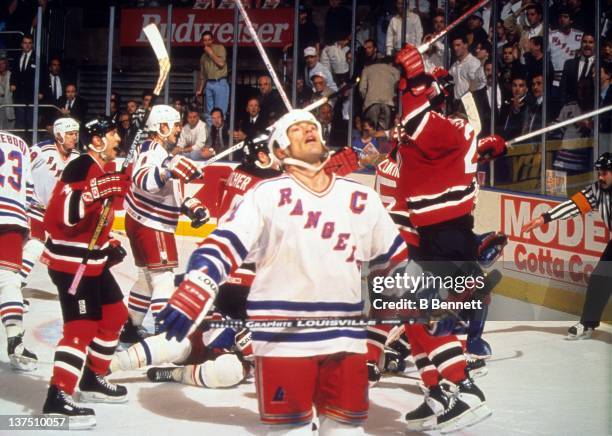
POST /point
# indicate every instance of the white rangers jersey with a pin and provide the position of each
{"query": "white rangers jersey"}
(16, 188)
(308, 248)
(151, 201)
(47, 167)
(563, 47)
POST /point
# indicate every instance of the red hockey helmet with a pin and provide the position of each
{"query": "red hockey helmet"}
(425, 92)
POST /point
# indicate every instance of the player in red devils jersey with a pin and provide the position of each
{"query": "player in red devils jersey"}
(94, 315)
(437, 158)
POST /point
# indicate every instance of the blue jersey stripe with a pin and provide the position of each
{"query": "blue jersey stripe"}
(156, 204)
(150, 216)
(234, 241)
(384, 258)
(304, 307)
(13, 202)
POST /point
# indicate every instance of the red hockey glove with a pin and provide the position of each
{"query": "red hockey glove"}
(183, 169)
(411, 60)
(188, 305)
(108, 185)
(195, 211)
(115, 252)
(444, 79)
(342, 162)
(491, 147)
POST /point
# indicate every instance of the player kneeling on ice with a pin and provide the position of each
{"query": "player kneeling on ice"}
(308, 232)
(94, 314)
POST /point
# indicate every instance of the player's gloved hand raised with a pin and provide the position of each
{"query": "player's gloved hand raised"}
(342, 162)
(188, 305)
(183, 169)
(411, 60)
(491, 147)
(195, 211)
(244, 344)
(115, 252)
(108, 185)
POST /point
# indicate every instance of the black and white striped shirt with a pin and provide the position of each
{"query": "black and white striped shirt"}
(589, 199)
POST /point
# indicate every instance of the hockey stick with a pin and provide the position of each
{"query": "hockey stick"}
(424, 47)
(264, 55)
(471, 110)
(350, 321)
(157, 43)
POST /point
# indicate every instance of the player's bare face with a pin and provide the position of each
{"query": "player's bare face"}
(605, 179)
(305, 142)
(112, 140)
(70, 140)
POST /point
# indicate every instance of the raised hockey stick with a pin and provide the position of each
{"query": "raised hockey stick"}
(157, 43)
(264, 55)
(471, 111)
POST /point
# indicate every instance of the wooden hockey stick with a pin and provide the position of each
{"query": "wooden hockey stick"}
(350, 321)
(157, 43)
(471, 110)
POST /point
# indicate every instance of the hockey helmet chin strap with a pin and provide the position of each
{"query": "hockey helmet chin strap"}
(326, 155)
(102, 150)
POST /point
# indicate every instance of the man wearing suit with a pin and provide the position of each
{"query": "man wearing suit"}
(22, 82)
(71, 105)
(605, 95)
(333, 128)
(52, 83)
(252, 123)
(581, 67)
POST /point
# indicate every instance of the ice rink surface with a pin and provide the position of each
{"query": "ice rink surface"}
(538, 383)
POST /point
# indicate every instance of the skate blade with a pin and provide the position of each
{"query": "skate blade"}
(467, 419)
(96, 397)
(425, 424)
(579, 337)
(77, 422)
(479, 372)
(20, 363)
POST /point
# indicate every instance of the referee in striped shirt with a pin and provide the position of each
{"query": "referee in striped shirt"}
(597, 196)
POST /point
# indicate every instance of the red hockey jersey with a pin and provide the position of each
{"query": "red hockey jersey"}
(437, 170)
(70, 224)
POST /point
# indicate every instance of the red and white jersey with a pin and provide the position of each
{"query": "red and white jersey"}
(151, 201)
(16, 188)
(437, 170)
(47, 167)
(563, 46)
(70, 224)
(386, 184)
(240, 181)
(308, 248)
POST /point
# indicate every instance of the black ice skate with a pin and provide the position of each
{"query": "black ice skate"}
(579, 331)
(131, 334)
(424, 417)
(467, 407)
(60, 403)
(96, 389)
(476, 368)
(20, 357)
(165, 374)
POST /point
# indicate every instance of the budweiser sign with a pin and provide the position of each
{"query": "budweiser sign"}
(274, 27)
(562, 250)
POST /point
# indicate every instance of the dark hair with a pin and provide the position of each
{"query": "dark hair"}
(54, 58)
(206, 33)
(607, 67)
(27, 36)
(519, 76)
(486, 45)
(70, 84)
(536, 6)
(537, 40)
(438, 13)
(507, 45)
(217, 109)
(461, 36)
(369, 40)
(147, 93)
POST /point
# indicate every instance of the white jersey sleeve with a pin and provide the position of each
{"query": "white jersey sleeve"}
(16, 188)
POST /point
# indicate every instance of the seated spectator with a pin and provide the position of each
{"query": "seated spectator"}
(466, 70)
(123, 127)
(72, 105)
(579, 68)
(313, 66)
(131, 106)
(475, 33)
(194, 134)
(377, 88)
(534, 116)
(320, 88)
(251, 123)
(304, 93)
(509, 68)
(272, 106)
(333, 132)
(218, 138)
(514, 112)
(366, 143)
(333, 57)
(414, 30)
(179, 104)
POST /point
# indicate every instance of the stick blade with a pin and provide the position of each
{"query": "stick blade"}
(151, 31)
(471, 111)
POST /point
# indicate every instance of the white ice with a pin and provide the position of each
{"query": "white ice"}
(538, 383)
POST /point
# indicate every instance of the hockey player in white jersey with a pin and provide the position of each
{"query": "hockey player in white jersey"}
(153, 206)
(48, 158)
(16, 191)
(309, 234)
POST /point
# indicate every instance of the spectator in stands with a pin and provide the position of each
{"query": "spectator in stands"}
(304, 93)
(368, 55)
(483, 51)
(194, 134)
(73, 105)
(377, 88)
(366, 142)
(534, 58)
(337, 22)
(501, 36)
(251, 123)
(414, 30)
(606, 51)
(584, 18)
(179, 104)
(52, 83)
(605, 99)
(486, 113)
(131, 106)
(22, 82)
(514, 111)
(333, 57)
(314, 66)
(320, 88)
(218, 139)
(272, 107)
(7, 114)
(579, 68)
(532, 26)
(475, 33)
(123, 126)
(113, 109)
(213, 76)
(147, 98)
(466, 70)
(509, 68)
(534, 116)
(335, 134)
(511, 8)
(308, 34)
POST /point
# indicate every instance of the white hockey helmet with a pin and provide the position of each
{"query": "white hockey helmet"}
(279, 136)
(63, 125)
(162, 114)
